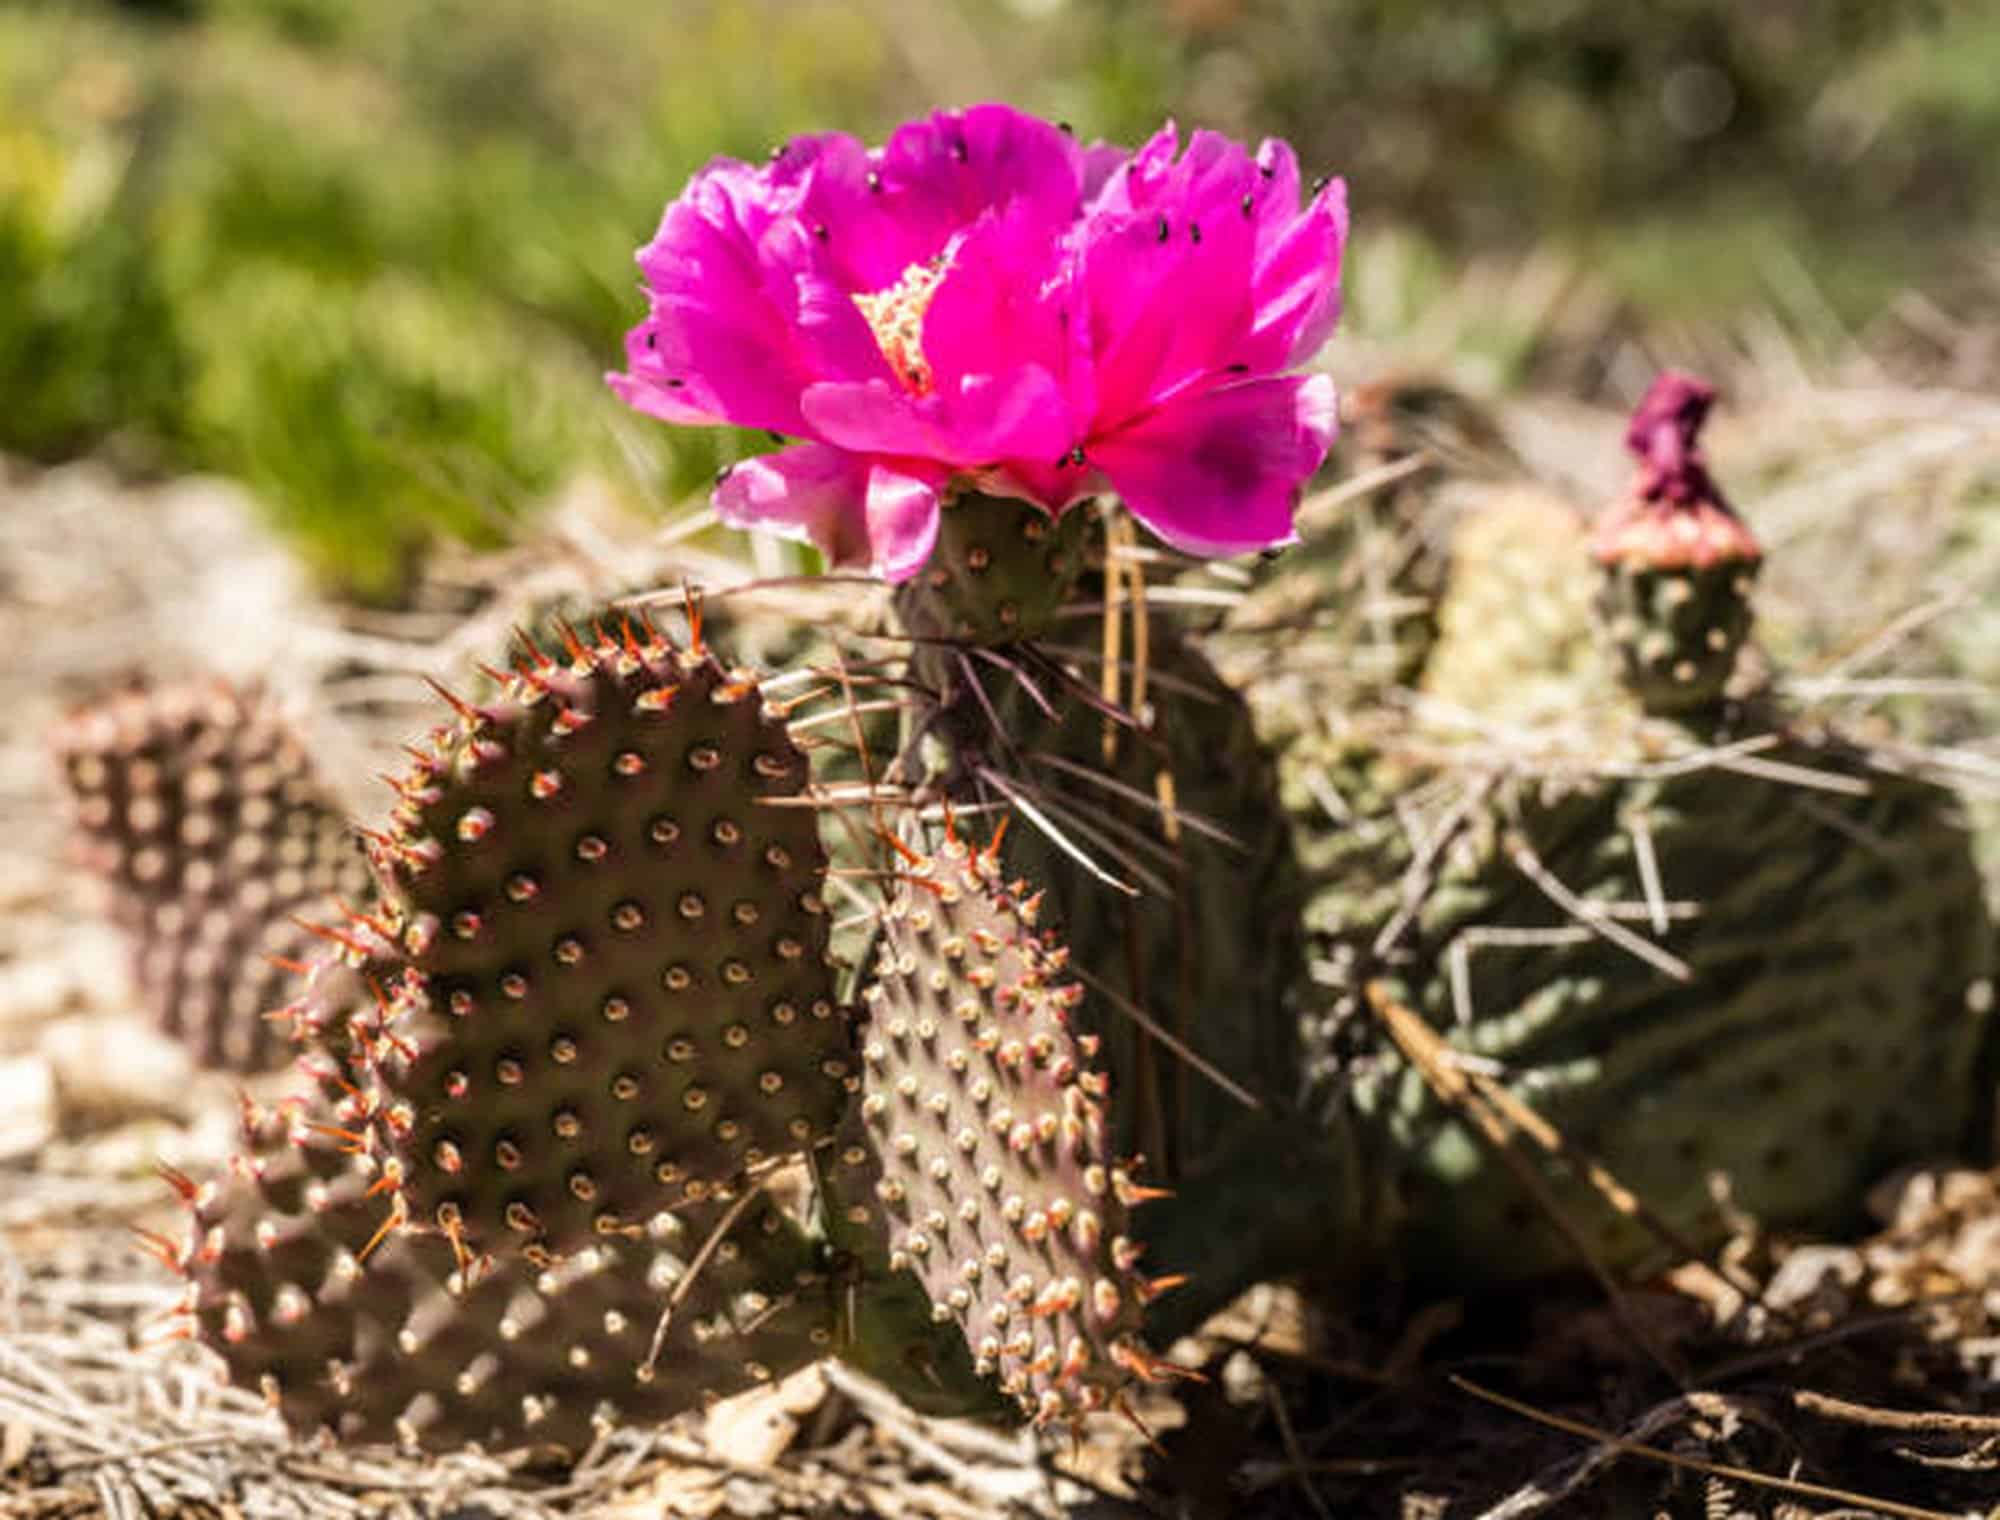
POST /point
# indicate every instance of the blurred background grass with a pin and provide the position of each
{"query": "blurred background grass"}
(372, 256)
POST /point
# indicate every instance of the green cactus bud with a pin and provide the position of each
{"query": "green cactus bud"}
(605, 990)
(198, 806)
(1678, 562)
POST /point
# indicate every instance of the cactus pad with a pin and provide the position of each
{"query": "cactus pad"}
(1183, 804)
(198, 805)
(1687, 970)
(350, 1329)
(606, 991)
(996, 1188)
(999, 571)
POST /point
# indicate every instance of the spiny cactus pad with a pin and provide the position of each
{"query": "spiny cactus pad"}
(1814, 954)
(198, 805)
(996, 1188)
(369, 1336)
(606, 989)
(1182, 804)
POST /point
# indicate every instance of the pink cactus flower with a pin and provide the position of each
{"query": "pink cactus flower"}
(983, 302)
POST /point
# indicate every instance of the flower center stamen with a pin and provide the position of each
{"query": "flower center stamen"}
(896, 316)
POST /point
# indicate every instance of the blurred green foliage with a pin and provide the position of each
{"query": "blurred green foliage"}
(1680, 145)
(373, 256)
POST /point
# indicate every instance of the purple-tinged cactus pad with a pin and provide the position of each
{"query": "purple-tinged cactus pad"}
(198, 807)
(600, 967)
(368, 1335)
(996, 1186)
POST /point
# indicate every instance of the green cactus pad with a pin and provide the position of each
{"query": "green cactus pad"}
(608, 992)
(1152, 824)
(1000, 570)
(1828, 920)
(1207, 949)
(198, 806)
(366, 1334)
(996, 1188)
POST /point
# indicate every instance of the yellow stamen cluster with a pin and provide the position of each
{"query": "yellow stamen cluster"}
(896, 316)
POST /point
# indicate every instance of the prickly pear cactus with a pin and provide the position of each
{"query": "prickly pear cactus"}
(1688, 971)
(347, 1327)
(198, 807)
(598, 966)
(1716, 940)
(1677, 562)
(983, 1116)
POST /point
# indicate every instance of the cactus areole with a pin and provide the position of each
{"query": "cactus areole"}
(985, 304)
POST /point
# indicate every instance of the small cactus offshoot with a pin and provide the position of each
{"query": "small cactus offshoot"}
(1678, 562)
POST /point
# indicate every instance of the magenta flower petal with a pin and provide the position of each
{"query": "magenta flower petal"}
(990, 416)
(902, 509)
(744, 312)
(980, 300)
(860, 512)
(1170, 305)
(881, 212)
(1007, 301)
(809, 491)
(1297, 282)
(1219, 473)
